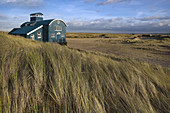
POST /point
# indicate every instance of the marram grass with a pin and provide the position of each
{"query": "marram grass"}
(46, 77)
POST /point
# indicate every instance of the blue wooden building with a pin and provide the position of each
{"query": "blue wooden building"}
(53, 30)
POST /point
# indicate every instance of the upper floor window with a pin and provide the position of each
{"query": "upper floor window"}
(31, 24)
(58, 28)
(39, 34)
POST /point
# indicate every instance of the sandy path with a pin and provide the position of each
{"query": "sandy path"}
(122, 50)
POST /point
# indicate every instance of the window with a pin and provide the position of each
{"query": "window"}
(32, 36)
(31, 24)
(62, 35)
(58, 33)
(53, 35)
(39, 34)
(58, 21)
(58, 28)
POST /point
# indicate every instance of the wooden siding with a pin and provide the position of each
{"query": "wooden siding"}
(47, 28)
(45, 33)
(36, 35)
(57, 37)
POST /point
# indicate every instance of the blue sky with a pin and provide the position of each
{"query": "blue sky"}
(113, 16)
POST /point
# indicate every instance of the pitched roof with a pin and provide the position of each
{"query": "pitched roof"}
(36, 24)
(36, 13)
(43, 22)
(13, 30)
(25, 30)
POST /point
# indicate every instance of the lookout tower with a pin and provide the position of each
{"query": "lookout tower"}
(36, 17)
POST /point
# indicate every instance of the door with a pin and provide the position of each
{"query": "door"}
(59, 37)
(32, 37)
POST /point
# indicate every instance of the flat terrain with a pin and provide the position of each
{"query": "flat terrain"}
(146, 50)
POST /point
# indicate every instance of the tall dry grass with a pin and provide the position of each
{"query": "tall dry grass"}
(99, 35)
(46, 77)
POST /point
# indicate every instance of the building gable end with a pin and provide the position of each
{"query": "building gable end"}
(58, 19)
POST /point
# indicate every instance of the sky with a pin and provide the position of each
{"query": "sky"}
(107, 16)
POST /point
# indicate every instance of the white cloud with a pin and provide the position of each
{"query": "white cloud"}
(132, 24)
(124, 25)
(119, 24)
(99, 10)
(157, 17)
(7, 26)
(165, 10)
(8, 22)
(140, 14)
(135, 2)
(111, 2)
(22, 2)
(2, 16)
(107, 2)
(90, 0)
(161, 24)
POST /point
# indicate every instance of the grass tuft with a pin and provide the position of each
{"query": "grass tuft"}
(47, 77)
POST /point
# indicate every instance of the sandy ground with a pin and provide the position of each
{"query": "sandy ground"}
(122, 50)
